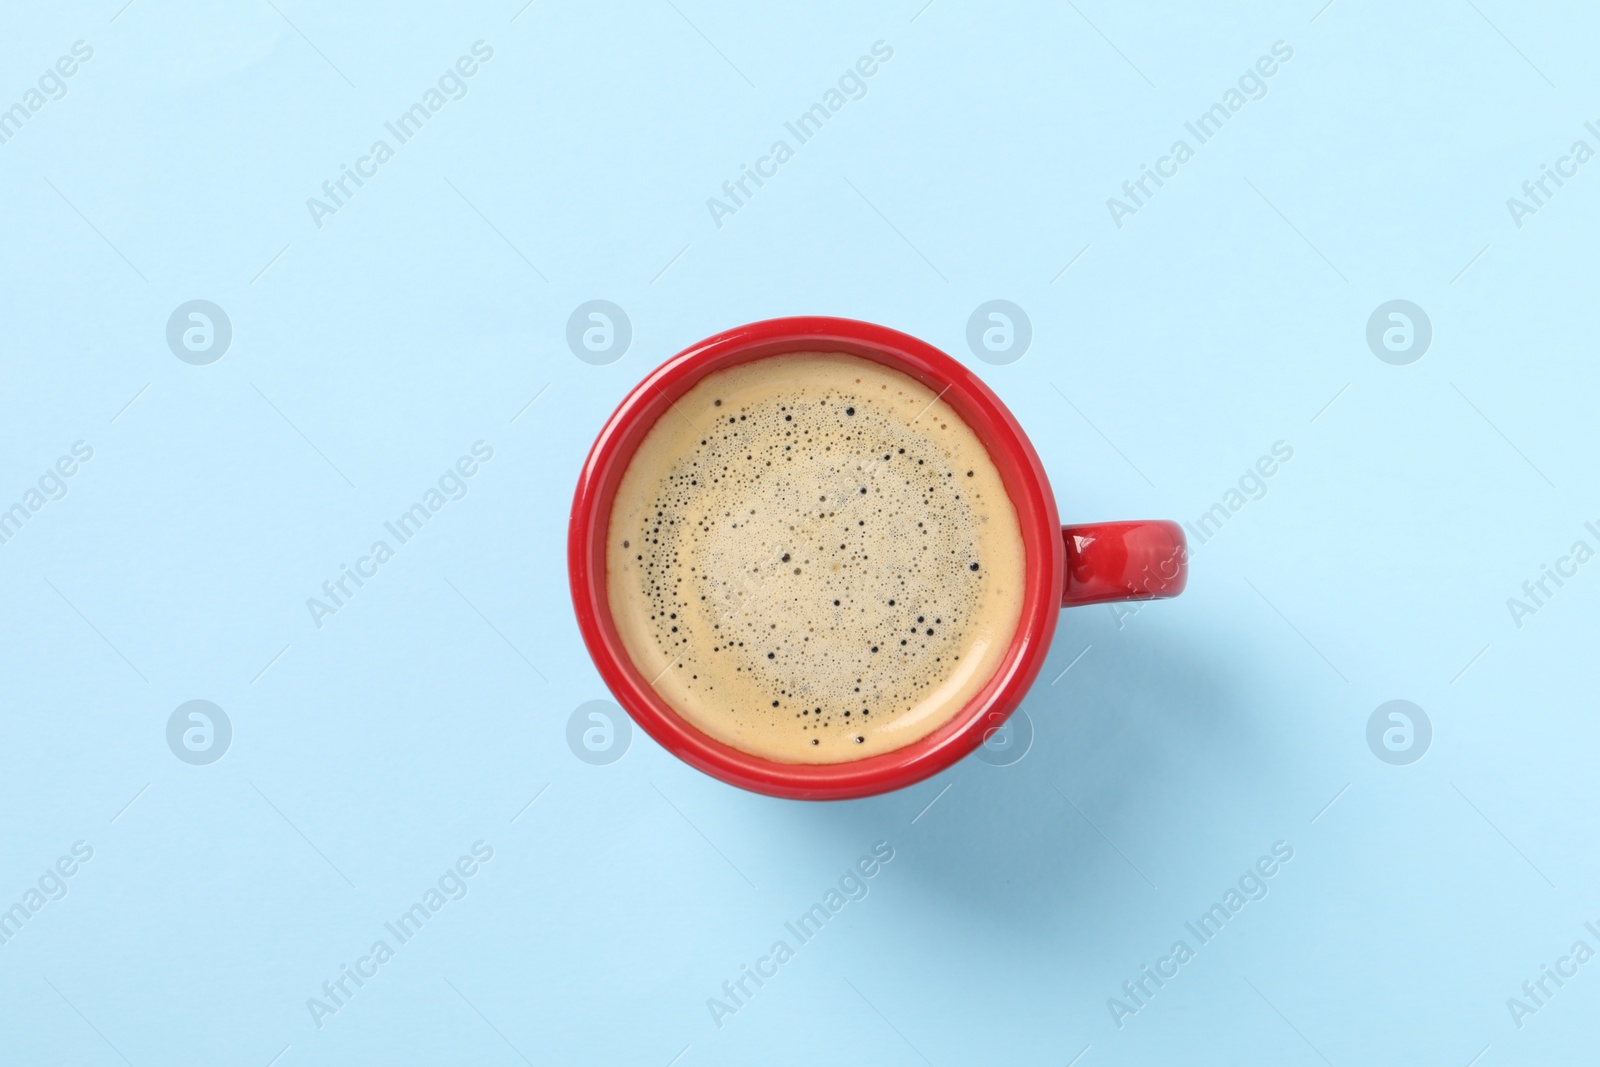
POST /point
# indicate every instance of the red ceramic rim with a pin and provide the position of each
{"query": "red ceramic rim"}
(1008, 447)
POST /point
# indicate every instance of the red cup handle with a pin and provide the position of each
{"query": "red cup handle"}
(1112, 561)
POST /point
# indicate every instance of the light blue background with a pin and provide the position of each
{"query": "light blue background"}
(369, 354)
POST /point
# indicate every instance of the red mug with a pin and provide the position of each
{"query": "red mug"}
(1065, 565)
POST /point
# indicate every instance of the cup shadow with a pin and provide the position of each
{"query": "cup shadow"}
(1055, 838)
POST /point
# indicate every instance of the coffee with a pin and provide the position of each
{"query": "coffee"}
(812, 559)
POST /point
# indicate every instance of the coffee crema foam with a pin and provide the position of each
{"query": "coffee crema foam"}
(813, 559)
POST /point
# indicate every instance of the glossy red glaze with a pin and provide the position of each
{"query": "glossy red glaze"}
(1046, 553)
(1124, 561)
